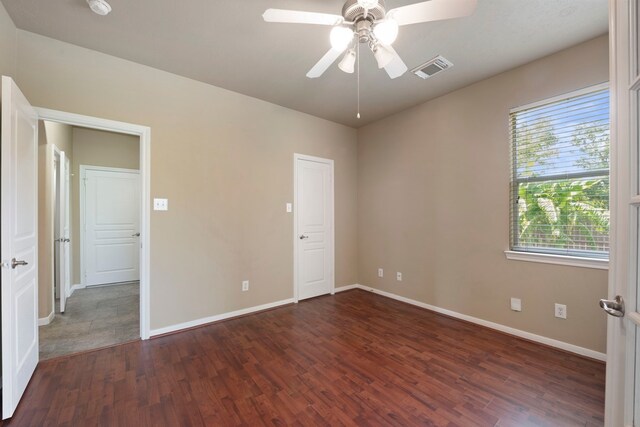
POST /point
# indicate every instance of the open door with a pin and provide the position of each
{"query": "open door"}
(64, 261)
(623, 328)
(19, 244)
(67, 228)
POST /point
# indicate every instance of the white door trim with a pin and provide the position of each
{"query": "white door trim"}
(332, 234)
(144, 133)
(83, 195)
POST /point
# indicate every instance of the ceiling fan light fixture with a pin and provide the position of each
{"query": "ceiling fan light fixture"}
(100, 7)
(386, 31)
(383, 55)
(368, 4)
(340, 38)
(348, 62)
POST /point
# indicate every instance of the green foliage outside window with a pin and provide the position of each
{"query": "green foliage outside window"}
(561, 213)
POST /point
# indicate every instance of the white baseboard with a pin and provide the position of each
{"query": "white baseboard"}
(497, 326)
(46, 320)
(217, 318)
(75, 288)
(346, 288)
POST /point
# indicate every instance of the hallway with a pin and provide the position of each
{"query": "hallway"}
(95, 317)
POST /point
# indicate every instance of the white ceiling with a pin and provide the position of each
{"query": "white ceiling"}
(227, 44)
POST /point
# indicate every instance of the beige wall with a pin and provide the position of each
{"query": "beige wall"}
(59, 135)
(433, 191)
(96, 148)
(8, 36)
(224, 161)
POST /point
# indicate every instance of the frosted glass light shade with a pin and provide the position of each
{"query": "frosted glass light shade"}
(386, 31)
(348, 62)
(340, 38)
(383, 56)
(368, 4)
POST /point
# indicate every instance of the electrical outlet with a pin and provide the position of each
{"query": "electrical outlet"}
(160, 204)
(289, 207)
(399, 276)
(380, 272)
(561, 311)
(516, 304)
(245, 285)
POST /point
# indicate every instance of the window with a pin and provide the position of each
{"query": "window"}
(560, 175)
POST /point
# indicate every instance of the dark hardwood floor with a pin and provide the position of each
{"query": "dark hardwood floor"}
(350, 359)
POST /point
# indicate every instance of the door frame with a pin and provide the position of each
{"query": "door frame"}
(83, 195)
(144, 133)
(332, 234)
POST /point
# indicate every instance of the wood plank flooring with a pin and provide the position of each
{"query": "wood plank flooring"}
(350, 359)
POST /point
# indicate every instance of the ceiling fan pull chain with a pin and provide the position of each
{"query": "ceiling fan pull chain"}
(358, 77)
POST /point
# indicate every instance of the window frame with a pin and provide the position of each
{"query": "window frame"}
(549, 255)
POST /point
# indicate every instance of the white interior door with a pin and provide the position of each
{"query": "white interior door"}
(111, 232)
(63, 261)
(623, 332)
(66, 227)
(19, 242)
(314, 247)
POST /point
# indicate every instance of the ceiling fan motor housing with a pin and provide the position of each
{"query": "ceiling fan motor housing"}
(353, 12)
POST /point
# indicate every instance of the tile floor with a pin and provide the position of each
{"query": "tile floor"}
(94, 317)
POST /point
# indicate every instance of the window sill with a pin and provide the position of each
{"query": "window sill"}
(601, 264)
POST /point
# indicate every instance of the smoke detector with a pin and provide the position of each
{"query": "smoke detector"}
(432, 66)
(100, 7)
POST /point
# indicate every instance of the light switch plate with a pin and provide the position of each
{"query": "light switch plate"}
(289, 207)
(160, 204)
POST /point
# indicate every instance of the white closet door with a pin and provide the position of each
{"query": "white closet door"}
(314, 213)
(111, 247)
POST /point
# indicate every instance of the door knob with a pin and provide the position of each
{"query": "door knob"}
(135, 235)
(66, 240)
(302, 237)
(15, 263)
(614, 307)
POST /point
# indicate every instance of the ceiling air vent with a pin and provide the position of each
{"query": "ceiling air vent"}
(431, 67)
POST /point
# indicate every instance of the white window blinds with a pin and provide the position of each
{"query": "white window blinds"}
(560, 175)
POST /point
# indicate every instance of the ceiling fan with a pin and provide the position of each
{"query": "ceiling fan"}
(368, 22)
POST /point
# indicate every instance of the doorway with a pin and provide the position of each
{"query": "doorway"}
(95, 226)
(313, 242)
(143, 133)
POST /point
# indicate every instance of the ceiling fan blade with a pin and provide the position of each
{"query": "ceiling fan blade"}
(396, 67)
(433, 10)
(324, 63)
(298, 17)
